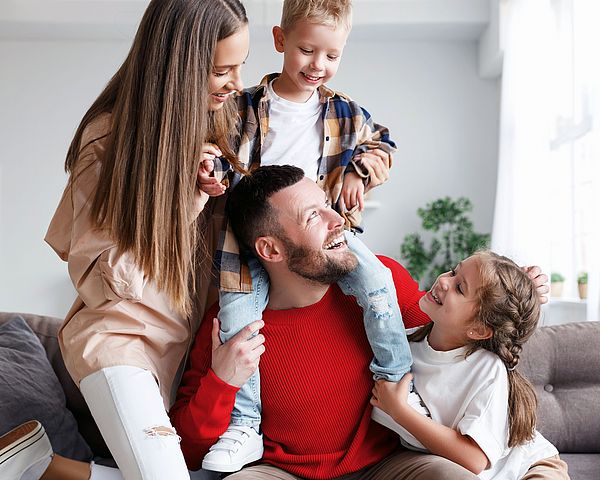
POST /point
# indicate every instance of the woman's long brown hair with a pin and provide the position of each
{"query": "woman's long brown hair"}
(159, 106)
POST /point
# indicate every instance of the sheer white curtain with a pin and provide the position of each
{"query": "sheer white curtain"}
(548, 194)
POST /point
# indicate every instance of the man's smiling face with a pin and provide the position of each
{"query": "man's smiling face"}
(312, 233)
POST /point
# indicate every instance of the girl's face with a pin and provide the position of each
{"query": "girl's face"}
(452, 303)
(225, 78)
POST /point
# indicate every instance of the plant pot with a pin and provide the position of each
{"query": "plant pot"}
(582, 287)
(556, 289)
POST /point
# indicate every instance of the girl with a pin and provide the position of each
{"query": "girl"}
(464, 365)
(128, 227)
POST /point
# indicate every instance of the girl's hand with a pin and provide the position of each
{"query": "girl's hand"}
(391, 397)
(377, 162)
(236, 360)
(352, 193)
(207, 184)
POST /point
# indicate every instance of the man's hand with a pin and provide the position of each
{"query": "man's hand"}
(207, 184)
(377, 163)
(352, 193)
(236, 360)
(540, 281)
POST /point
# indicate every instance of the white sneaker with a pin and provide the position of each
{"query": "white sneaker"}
(25, 452)
(238, 446)
(406, 438)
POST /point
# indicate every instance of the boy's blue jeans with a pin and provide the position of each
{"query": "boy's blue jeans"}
(370, 283)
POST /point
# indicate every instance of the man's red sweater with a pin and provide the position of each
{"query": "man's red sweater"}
(315, 387)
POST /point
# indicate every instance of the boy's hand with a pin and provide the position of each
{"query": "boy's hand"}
(206, 183)
(540, 280)
(377, 163)
(391, 397)
(352, 194)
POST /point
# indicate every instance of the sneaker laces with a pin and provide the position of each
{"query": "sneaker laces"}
(233, 438)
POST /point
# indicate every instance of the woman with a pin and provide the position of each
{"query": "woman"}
(127, 222)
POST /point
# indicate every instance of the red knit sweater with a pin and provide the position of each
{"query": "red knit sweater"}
(315, 387)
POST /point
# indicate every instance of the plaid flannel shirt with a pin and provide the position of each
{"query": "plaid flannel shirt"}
(348, 131)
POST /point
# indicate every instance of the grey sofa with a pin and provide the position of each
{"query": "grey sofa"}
(563, 363)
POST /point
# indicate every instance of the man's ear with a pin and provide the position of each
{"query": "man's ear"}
(268, 249)
(278, 38)
(479, 331)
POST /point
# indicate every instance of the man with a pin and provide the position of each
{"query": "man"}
(315, 378)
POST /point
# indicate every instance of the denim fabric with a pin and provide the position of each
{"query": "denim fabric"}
(372, 285)
(236, 310)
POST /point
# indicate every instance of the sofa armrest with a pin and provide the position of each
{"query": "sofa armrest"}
(563, 364)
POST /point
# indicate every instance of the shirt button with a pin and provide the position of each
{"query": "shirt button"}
(327, 138)
(548, 388)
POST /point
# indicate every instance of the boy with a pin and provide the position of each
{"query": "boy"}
(293, 118)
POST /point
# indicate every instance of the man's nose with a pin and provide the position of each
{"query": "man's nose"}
(335, 220)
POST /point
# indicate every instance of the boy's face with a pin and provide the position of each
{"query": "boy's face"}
(311, 57)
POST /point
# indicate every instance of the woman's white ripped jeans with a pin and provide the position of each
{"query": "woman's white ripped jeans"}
(127, 406)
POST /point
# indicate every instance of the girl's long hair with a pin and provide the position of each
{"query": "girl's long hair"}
(159, 106)
(509, 306)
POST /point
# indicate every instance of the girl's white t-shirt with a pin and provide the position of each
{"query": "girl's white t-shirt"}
(471, 395)
(295, 135)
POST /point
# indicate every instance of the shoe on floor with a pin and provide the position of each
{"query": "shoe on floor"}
(238, 446)
(25, 452)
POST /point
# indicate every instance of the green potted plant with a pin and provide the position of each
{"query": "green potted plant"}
(453, 239)
(582, 280)
(557, 281)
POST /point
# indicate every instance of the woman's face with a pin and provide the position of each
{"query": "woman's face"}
(225, 78)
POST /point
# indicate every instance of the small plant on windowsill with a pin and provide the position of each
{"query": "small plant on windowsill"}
(582, 280)
(454, 239)
(557, 281)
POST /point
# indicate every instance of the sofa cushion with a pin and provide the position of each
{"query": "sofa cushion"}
(563, 364)
(30, 390)
(582, 466)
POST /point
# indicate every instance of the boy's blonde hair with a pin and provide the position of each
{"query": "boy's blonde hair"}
(332, 13)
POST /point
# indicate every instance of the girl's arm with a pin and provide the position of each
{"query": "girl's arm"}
(437, 438)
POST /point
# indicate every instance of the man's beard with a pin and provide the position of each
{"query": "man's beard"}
(315, 265)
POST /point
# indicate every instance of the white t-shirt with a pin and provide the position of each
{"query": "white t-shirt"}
(471, 395)
(295, 135)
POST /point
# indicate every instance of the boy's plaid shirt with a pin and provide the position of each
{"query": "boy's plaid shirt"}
(348, 132)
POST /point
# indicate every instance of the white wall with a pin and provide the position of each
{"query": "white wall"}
(442, 115)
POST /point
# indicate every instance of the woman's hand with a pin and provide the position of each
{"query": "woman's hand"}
(391, 397)
(207, 184)
(236, 360)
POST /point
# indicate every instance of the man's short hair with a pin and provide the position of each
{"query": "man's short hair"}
(250, 213)
(333, 13)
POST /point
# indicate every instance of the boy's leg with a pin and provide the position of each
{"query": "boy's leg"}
(241, 443)
(236, 310)
(127, 406)
(552, 468)
(417, 466)
(372, 285)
